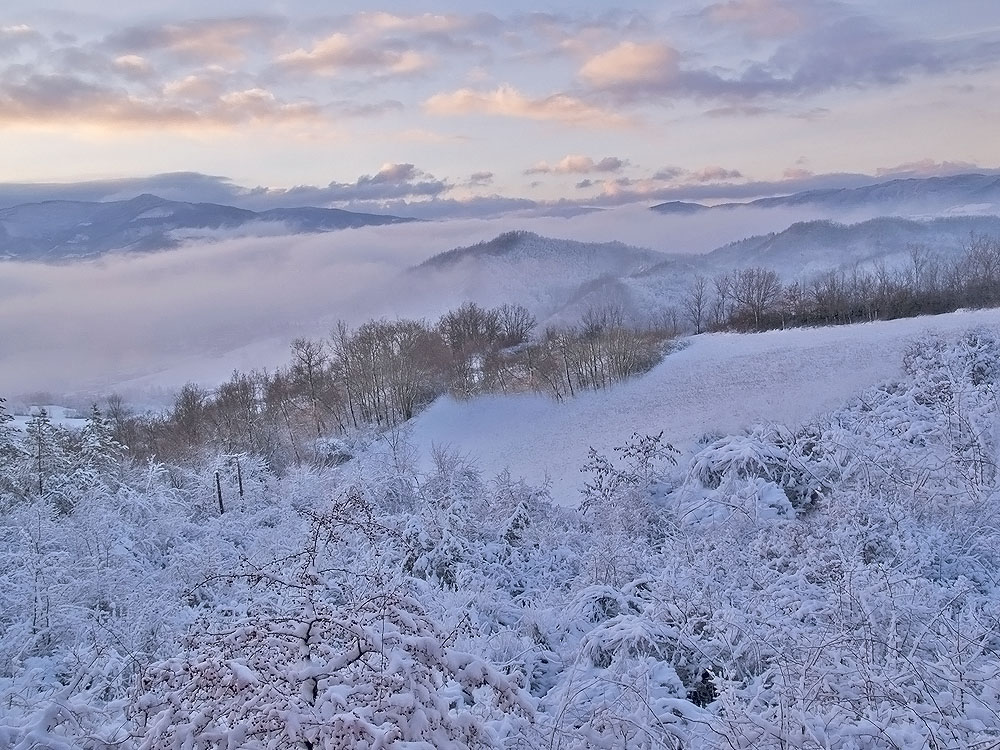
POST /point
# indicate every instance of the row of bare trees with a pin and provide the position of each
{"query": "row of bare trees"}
(382, 373)
(754, 298)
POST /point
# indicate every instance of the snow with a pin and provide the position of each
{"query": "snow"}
(155, 213)
(805, 588)
(58, 415)
(718, 384)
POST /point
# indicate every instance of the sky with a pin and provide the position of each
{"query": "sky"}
(463, 109)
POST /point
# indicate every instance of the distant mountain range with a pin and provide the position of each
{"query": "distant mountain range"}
(60, 230)
(63, 230)
(816, 246)
(560, 279)
(961, 194)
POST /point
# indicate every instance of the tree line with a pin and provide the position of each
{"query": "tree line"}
(384, 372)
(755, 299)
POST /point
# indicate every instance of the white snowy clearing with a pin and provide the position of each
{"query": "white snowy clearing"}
(718, 384)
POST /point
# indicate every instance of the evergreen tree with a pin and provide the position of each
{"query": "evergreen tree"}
(11, 457)
(100, 456)
(49, 462)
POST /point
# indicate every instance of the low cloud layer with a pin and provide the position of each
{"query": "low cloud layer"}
(134, 323)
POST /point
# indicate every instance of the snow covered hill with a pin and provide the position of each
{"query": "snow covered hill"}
(560, 279)
(550, 276)
(59, 230)
(816, 246)
(717, 384)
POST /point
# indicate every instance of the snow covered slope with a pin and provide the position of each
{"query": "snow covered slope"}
(719, 383)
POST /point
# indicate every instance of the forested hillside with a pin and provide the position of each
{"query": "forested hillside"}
(828, 584)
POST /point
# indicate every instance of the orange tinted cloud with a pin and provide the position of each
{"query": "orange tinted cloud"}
(507, 101)
(64, 101)
(578, 164)
(340, 51)
(630, 64)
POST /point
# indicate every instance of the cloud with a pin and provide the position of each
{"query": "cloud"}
(368, 109)
(374, 192)
(632, 64)
(136, 321)
(67, 101)
(576, 164)
(205, 40)
(204, 86)
(761, 18)
(339, 52)
(797, 173)
(669, 173)
(507, 101)
(714, 174)
(15, 36)
(740, 110)
(817, 47)
(480, 179)
(930, 168)
(433, 24)
(133, 66)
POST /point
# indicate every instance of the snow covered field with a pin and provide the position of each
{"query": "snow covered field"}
(58, 415)
(719, 383)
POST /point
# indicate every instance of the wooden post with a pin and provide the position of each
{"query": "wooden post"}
(239, 476)
(218, 491)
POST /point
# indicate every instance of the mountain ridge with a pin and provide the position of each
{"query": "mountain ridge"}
(62, 230)
(953, 192)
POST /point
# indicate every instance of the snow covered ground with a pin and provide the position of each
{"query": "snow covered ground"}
(59, 415)
(719, 383)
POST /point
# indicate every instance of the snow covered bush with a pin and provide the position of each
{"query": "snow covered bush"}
(831, 585)
(335, 657)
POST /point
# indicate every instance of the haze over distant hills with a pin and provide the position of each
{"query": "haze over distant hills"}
(197, 311)
(560, 279)
(60, 230)
(964, 193)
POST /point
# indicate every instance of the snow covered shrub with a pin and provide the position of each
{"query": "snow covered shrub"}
(617, 494)
(370, 673)
(444, 539)
(634, 675)
(934, 433)
(64, 714)
(334, 656)
(795, 462)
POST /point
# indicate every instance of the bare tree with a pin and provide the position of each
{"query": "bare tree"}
(722, 307)
(309, 360)
(516, 324)
(756, 290)
(695, 303)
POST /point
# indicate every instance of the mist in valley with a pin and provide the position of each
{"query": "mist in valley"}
(144, 324)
